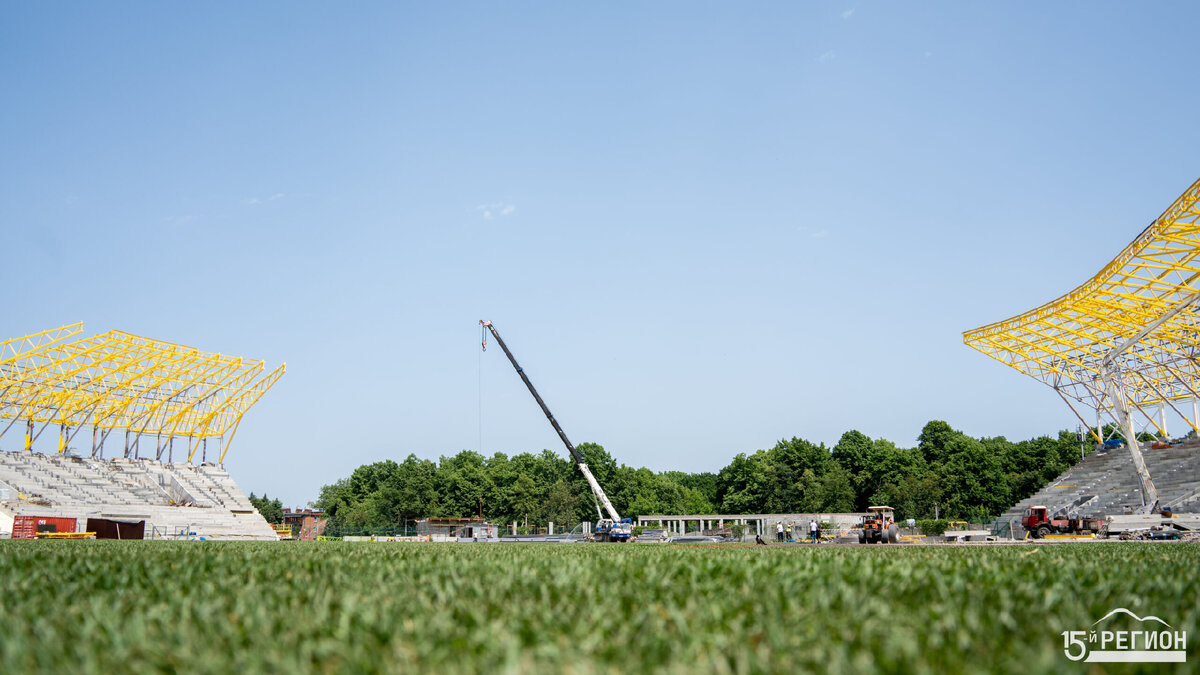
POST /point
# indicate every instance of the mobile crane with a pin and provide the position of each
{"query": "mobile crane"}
(614, 527)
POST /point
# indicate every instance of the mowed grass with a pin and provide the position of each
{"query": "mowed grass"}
(111, 607)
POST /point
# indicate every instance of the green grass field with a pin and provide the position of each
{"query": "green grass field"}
(95, 606)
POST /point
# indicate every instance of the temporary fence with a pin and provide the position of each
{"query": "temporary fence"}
(334, 531)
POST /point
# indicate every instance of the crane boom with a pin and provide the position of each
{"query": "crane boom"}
(583, 467)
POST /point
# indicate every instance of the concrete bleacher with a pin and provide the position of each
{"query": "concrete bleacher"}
(1105, 484)
(175, 500)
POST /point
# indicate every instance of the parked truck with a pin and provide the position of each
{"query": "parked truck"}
(1038, 523)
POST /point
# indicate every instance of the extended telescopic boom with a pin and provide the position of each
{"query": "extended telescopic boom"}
(583, 467)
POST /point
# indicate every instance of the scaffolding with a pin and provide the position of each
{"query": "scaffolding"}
(1125, 341)
(452, 529)
(149, 389)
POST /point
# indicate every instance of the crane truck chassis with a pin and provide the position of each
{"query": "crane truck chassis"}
(613, 528)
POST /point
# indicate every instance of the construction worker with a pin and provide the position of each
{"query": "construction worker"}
(788, 529)
(813, 530)
(779, 530)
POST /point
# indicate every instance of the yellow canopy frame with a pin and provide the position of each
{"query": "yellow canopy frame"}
(118, 380)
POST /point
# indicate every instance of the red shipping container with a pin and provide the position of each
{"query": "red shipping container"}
(27, 527)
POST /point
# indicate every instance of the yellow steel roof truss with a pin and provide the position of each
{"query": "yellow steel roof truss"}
(1126, 338)
(118, 380)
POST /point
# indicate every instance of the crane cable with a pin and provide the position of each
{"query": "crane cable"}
(479, 387)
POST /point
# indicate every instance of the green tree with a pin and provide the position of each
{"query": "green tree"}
(917, 495)
(741, 486)
(852, 451)
(417, 484)
(933, 439)
(948, 472)
(973, 481)
(524, 499)
(695, 501)
(562, 504)
(792, 468)
(705, 482)
(268, 508)
(886, 464)
(334, 499)
(835, 490)
(465, 487)
(808, 493)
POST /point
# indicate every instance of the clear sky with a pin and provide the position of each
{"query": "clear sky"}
(701, 227)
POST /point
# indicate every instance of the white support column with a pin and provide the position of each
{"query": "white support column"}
(1162, 418)
(1121, 407)
(1195, 413)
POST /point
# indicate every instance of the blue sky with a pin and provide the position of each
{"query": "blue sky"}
(701, 227)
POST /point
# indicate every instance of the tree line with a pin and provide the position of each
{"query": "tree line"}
(270, 509)
(947, 474)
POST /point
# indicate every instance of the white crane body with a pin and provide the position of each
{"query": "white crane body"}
(612, 528)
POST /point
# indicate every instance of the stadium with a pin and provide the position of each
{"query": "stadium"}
(853, 338)
(175, 411)
(1123, 352)
(1120, 350)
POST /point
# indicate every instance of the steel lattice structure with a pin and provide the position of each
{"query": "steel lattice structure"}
(118, 380)
(1126, 339)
